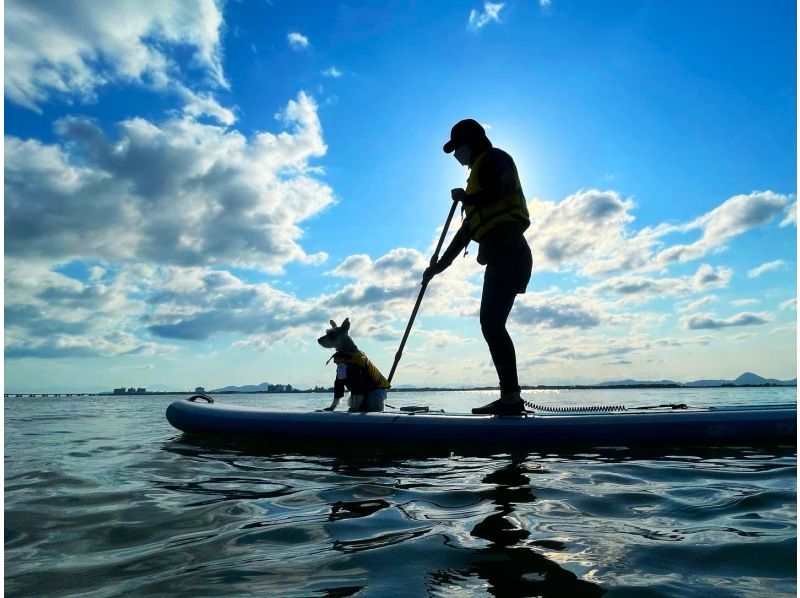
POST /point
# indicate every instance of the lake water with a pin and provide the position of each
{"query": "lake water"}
(104, 498)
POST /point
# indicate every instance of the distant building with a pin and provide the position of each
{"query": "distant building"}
(141, 391)
(119, 391)
(199, 390)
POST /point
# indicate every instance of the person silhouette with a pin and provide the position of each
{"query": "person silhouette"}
(496, 216)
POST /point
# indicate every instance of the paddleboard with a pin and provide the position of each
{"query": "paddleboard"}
(617, 426)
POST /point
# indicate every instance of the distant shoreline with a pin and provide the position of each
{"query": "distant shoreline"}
(412, 389)
(481, 388)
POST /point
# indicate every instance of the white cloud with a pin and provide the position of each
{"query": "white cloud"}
(743, 302)
(70, 49)
(791, 216)
(436, 340)
(773, 265)
(586, 230)
(708, 321)
(589, 231)
(204, 104)
(48, 314)
(545, 3)
(188, 295)
(297, 41)
(491, 12)
(332, 72)
(789, 304)
(178, 192)
(699, 303)
(198, 303)
(539, 311)
(637, 289)
(734, 217)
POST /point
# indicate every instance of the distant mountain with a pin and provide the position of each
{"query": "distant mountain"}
(743, 380)
(263, 387)
(751, 378)
(636, 382)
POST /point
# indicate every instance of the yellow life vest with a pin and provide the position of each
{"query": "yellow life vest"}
(510, 207)
(360, 359)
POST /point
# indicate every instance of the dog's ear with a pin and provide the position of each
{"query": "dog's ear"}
(346, 324)
(333, 324)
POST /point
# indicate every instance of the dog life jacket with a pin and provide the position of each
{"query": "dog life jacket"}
(360, 375)
(509, 207)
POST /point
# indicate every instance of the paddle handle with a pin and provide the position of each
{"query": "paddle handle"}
(434, 259)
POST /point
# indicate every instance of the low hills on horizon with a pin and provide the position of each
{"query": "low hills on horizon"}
(746, 379)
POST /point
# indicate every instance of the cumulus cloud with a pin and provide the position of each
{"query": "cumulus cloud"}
(699, 303)
(391, 277)
(789, 304)
(743, 302)
(590, 231)
(791, 216)
(554, 312)
(587, 231)
(204, 104)
(48, 314)
(773, 265)
(198, 303)
(733, 217)
(596, 353)
(491, 12)
(638, 289)
(297, 41)
(176, 193)
(72, 48)
(708, 321)
(332, 72)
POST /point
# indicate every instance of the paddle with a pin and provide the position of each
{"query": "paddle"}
(434, 259)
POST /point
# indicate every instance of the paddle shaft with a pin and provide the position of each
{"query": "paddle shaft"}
(434, 259)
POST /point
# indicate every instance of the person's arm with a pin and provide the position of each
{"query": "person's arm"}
(460, 241)
(457, 245)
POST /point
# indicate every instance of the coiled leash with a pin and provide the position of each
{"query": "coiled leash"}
(599, 408)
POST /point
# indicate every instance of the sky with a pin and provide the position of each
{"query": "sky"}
(192, 190)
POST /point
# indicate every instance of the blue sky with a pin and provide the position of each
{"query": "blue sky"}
(191, 192)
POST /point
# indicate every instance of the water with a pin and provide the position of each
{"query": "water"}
(104, 498)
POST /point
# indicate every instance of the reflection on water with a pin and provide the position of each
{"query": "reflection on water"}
(450, 525)
(500, 561)
(509, 567)
(123, 506)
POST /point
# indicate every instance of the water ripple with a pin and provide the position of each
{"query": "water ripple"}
(143, 511)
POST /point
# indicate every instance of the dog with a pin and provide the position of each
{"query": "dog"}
(354, 371)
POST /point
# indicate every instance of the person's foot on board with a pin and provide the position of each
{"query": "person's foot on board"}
(501, 407)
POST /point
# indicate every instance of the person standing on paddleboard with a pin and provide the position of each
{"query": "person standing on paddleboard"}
(496, 216)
